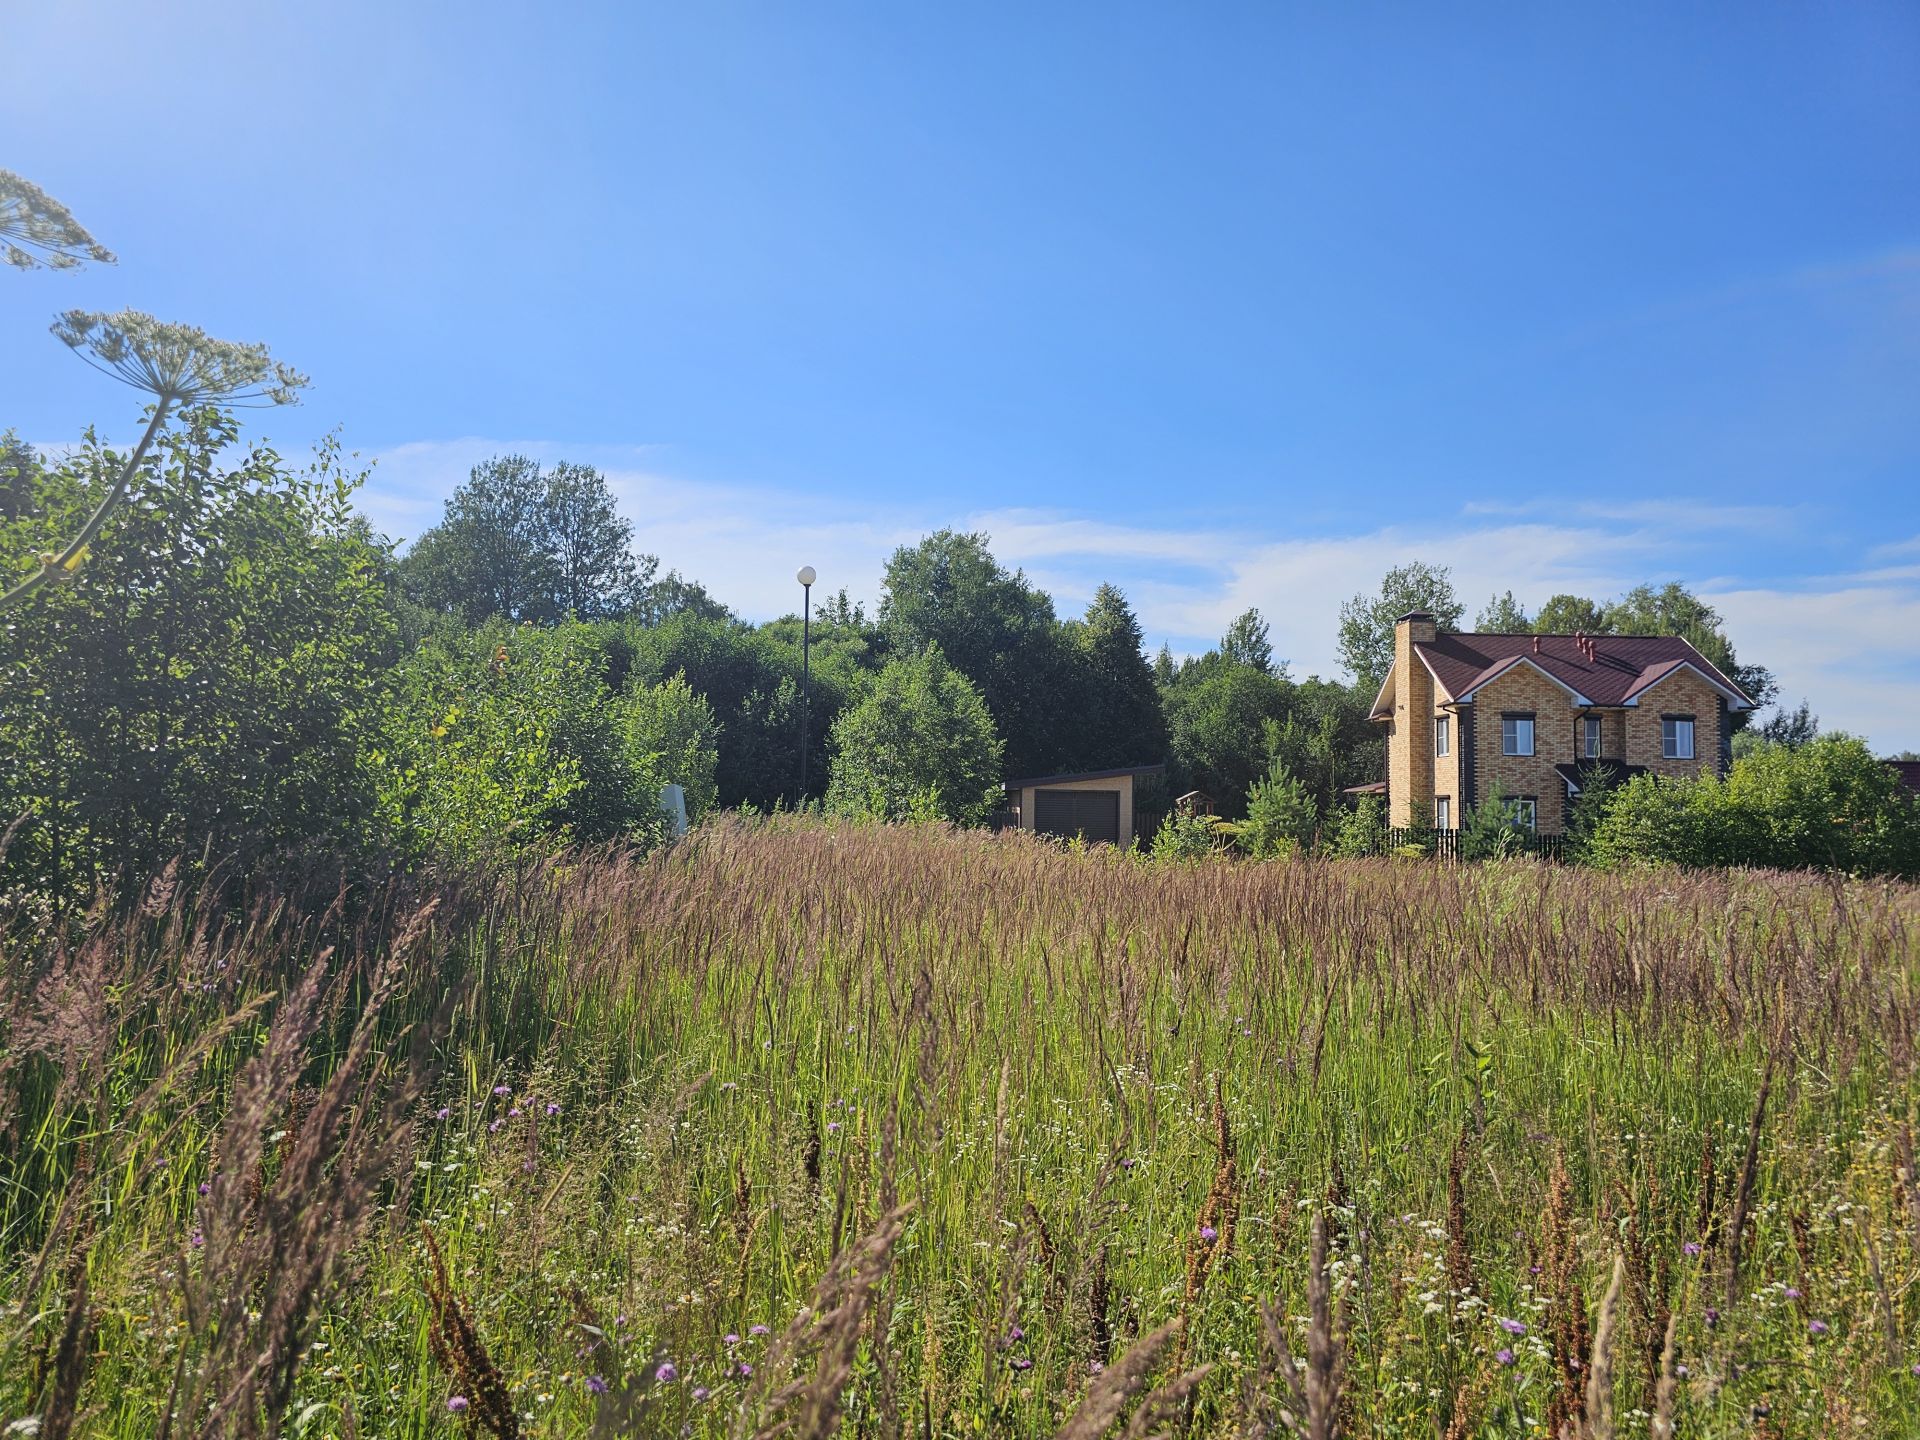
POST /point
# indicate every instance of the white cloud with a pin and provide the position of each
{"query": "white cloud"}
(1850, 643)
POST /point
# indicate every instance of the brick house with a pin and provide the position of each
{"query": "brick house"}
(1536, 714)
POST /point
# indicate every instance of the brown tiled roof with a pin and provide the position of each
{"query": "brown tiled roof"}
(1622, 665)
(1909, 773)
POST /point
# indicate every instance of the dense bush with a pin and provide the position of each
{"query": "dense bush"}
(509, 743)
(211, 681)
(1281, 815)
(919, 742)
(1828, 804)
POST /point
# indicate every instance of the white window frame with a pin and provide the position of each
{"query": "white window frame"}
(1442, 736)
(1670, 734)
(1510, 734)
(1591, 737)
(1526, 810)
(1443, 812)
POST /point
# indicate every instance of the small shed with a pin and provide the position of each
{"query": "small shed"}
(1194, 802)
(1095, 804)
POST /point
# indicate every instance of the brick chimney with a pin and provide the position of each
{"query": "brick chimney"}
(1410, 749)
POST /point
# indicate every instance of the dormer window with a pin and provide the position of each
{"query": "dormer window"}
(1443, 735)
(1590, 737)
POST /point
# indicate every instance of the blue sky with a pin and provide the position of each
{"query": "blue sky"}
(1227, 304)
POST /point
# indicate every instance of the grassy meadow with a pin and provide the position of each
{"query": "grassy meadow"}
(807, 1129)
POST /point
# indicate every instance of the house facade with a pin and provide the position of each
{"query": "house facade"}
(1535, 716)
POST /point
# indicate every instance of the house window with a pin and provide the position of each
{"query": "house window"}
(1590, 740)
(1442, 734)
(1516, 734)
(1443, 812)
(1676, 737)
(1526, 810)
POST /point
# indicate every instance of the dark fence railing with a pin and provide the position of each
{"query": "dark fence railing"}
(1445, 844)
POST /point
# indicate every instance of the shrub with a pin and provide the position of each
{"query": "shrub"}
(1492, 830)
(1188, 837)
(920, 742)
(1281, 815)
(671, 738)
(1362, 830)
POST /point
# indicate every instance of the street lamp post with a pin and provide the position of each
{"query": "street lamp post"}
(806, 577)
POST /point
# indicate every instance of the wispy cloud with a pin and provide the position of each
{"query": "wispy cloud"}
(1849, 642)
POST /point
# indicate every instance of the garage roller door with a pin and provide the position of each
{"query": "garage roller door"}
(1092, 813)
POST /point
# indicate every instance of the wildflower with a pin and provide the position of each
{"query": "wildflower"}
(1513, 1327)
(1817, 1328)
(456, 1403)
(1020, 1362)
(758, 1330)
(1713, 1316)
(553, 1108)
(833, 1125)
(494, 1126)
(666, 1374)
(503, 1089)
(1127, 1164)
(1682, 1371)
(1209, 1234)
(745, 1369)
(1505, 1357)
(205, 1187)
(197, 1239)
(700, 1393)
(442, 1113)
(514, 1113)
(1691, 1248)
(729, 1085)
(597, 1384)
(731, 1340)
(1792, 1292)
(1095, 1367)
(1016, 1334)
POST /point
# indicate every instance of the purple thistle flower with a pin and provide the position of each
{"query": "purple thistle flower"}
(1020, 1362)
(1513, 1327)
(503, 1089)
(731, 1340)
(833, 1125)
(456, 1403)
(553, 1108)
(758, 1330)
(1691, 1248)
(197, 1239)
(700, 1393)
(1792, 1292)
(1817, 1327)
(493, 1126)
(206, 1187)
(745, 1368)
(597, 1385)
(514, 1113)
(1505, 1357)
(1127, 1164)
(666, 1374)
(1209, 1234)
(442, 1113)
(1016, 1333)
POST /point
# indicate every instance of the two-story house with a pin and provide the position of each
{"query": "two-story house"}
(1533, 715)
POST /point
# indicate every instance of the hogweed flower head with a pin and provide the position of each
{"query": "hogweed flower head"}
(32, 220)
(178, 364)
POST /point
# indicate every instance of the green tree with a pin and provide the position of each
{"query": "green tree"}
(1569, 615)
(1248, 641)
(1503, 615)
(671, 738)
(997, 629)
(1366, 621)
(213, 684)
(1217, 716)
(1120, 720)
(524, 543)
(1282, 816)
(1362, 831)
(1492, 829)
(920, 739)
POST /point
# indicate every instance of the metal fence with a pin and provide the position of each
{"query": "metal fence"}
(1445, 844)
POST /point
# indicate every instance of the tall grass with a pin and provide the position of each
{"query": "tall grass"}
(905, 1132)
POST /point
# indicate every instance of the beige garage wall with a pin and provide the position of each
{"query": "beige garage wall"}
(1123, 784)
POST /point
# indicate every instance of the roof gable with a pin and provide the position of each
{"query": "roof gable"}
(1613, 672)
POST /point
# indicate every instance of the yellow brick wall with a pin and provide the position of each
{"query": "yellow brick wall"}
(1410, 742)
(1449, 771)
(1554, 718)
(1682, 693)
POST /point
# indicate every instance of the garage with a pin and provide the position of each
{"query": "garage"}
(1094, 814)
(1096, 804)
